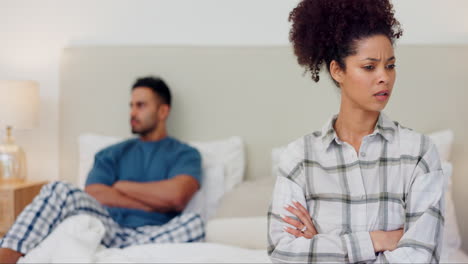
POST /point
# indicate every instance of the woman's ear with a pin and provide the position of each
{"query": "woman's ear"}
(336, 71)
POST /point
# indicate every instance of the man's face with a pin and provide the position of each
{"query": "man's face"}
(144, 109)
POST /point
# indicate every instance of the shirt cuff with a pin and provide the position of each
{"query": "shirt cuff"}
(360, 247)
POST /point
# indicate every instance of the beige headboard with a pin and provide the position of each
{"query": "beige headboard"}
(258, 93)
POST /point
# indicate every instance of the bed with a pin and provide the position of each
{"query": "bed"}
(235, 104)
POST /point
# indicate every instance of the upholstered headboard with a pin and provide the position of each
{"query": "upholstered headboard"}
(258, 93)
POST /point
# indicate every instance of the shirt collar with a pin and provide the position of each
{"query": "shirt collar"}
(328, 132)
(384, 127)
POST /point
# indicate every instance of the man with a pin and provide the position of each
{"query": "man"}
(137, 188)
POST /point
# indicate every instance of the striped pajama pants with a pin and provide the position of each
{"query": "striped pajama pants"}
(59, 200)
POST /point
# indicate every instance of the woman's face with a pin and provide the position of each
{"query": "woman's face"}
(368, 79)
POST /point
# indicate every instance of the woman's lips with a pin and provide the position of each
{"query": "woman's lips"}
(382, 95)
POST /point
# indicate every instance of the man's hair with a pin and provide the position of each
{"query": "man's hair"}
(158, 86)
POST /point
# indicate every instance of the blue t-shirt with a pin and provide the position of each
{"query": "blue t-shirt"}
(144, 161)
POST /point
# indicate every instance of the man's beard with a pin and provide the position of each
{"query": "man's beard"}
(145, 131)
(142, 132)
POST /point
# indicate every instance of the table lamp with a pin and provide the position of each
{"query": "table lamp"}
(19, 105)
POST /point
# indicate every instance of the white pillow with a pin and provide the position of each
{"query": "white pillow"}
(250, 198)
(275, 158)
(452, 238)
(206, 200)
(245, 232)
(88, 145)
(443, 139)
(229, 152)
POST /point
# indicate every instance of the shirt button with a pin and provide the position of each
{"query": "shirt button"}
(363, 154)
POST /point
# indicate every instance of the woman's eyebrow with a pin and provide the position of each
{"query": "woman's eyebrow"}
(374, 59)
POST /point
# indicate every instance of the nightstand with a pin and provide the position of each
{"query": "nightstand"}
(14, 197)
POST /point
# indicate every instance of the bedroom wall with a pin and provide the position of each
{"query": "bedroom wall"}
(35, 32)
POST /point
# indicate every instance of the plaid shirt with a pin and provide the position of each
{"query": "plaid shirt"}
(394, 182)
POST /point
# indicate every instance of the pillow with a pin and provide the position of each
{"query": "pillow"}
(443, 140)
(250, 198)
(451, 238)
(245, 232)
(275, 158)
(207, 198)
(229, 152)
(88, 145)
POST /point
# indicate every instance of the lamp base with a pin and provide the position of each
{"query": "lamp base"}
(12, 161)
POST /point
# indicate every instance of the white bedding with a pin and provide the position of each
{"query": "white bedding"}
(205, 253)
(76, 240)
(183, 253)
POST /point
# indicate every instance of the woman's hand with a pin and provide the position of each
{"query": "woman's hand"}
(304, 227)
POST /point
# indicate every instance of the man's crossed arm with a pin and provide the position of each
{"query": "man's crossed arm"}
(160, 196)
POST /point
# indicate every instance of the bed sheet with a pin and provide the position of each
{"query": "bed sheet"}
(204, 253)
(183, 253)
(77, 240)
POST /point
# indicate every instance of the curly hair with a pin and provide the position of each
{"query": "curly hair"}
(327, 30)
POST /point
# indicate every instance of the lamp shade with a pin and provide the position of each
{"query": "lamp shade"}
(19, 104)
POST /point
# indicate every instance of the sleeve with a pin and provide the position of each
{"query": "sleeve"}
(104, 169)
(422, 240)
(187, 162)
(286, 248)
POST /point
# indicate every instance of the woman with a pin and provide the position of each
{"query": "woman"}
(364, 188)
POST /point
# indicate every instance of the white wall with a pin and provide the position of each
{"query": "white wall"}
(33, 34)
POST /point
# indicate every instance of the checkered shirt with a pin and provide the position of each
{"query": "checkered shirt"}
(395, 181)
